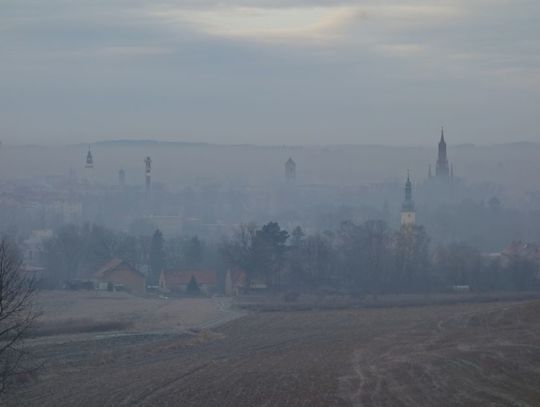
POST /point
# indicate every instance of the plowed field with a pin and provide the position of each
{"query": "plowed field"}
(452, 355)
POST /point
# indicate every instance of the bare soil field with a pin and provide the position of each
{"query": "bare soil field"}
(87, 311)
(440, 355)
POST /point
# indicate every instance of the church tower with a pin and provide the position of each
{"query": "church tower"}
(442, 170)
(408, 212)
(290, 170)
(89, 167)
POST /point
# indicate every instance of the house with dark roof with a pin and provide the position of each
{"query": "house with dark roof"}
(118, 273)
(178, 281)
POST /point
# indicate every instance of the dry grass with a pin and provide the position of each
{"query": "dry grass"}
(76, 326)
(79, 311)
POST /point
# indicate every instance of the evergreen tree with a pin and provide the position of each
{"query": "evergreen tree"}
(193, 287)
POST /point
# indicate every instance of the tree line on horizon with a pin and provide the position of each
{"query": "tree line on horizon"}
(357, 259)
(369, 259)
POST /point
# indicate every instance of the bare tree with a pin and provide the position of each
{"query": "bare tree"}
(239, 251)
(16, 313)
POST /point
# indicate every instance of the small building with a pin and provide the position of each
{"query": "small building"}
(235, 282)
(521, 249)
(119, 274)
(179, 281)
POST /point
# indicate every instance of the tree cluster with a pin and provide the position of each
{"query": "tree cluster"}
(361, 259)
(77, 252)
(368, 259)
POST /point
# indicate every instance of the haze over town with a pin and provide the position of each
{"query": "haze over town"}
(269, 203)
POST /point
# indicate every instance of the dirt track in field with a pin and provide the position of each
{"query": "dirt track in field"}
(454, 355)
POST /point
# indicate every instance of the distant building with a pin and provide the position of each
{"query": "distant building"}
(442, 170)
(235, 282)
(178, 281)
(118, 274)
(148, 174)
(89, 166)
(290, 170)
(408, 212)
(524, 250)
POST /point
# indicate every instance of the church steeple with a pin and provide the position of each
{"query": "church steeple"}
(408, 203)
(89, 167)
(89, 159)
(408, 213)
(408, 188)
(442, 170)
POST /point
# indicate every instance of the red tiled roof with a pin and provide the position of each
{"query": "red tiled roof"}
(173, 278)
(112, 265)
(522, 249)
(108, 267)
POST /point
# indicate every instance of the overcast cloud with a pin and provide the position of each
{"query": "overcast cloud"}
(269, 71)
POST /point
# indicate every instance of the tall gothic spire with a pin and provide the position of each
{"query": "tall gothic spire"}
(442, 170)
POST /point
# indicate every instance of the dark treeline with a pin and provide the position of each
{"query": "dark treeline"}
(369, 258)
(356, 259)
(77, 252)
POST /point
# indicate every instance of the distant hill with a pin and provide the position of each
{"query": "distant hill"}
(143, 143)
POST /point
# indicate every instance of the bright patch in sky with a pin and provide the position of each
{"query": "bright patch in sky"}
(263, 23)
(250, 71)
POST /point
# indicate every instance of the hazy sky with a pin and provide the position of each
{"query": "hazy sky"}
(269, 71)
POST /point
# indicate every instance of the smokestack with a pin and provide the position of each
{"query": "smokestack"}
(148, 172)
